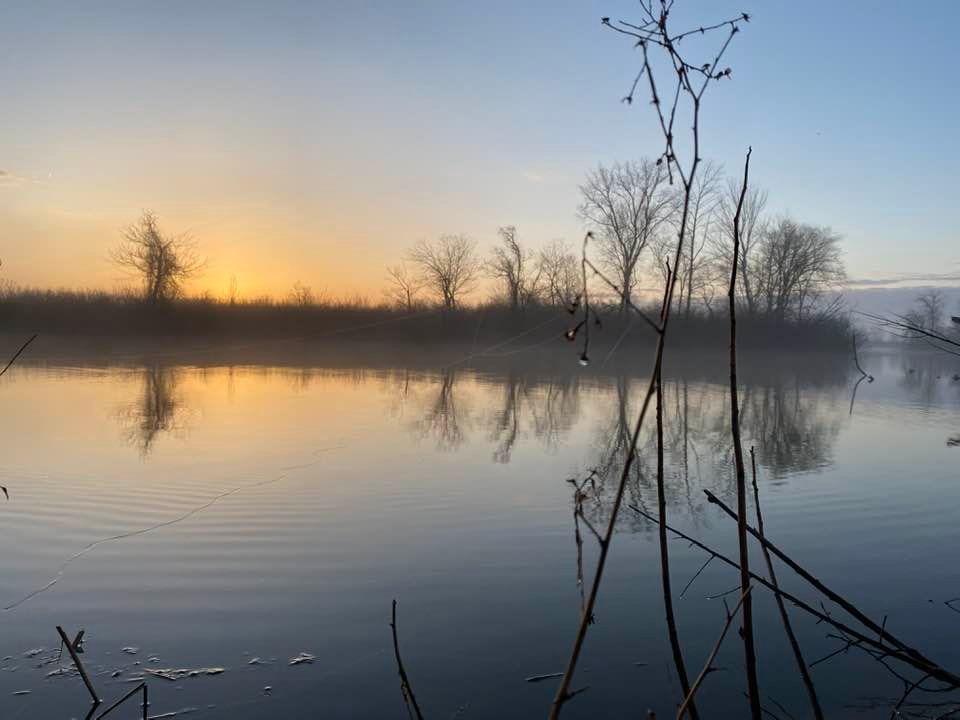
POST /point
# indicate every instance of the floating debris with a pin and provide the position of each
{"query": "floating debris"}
(548, 676)
(21, 692)
(173, 714)
(175, 674)
(267, 690)
(116, 673)
(131, 650)
(303, 657)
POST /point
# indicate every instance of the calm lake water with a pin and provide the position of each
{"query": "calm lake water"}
(192, 511)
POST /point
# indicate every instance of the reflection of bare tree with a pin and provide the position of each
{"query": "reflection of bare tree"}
(555, 407)
(506, 423)
(793, 430)
(551, 407)
(443, 417)
(158, 410)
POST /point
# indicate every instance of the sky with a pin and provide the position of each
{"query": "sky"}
(316, 141)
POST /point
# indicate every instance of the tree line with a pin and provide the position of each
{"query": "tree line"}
(788, 270)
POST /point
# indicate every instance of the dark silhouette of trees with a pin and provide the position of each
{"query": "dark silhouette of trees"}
(697, 274)
(513, 267)
(448, 266)
(162, 263)
(795, 265)
(752, 228)
(404, 286)
(560, 274)
(929, 308)
(626, 206)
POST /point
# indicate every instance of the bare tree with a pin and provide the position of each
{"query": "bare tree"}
(560, 274)
(448, 266)
(626, 206)
(696, 273)
(513, 267)
(163, 263)
(752, 226)
(404, 286)
(930, 307)
(796, 265)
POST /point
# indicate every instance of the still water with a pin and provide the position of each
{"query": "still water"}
(230, 513)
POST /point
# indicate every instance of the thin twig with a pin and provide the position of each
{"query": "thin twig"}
(17, 354)
(671, 619)
(405, 688)
(749, 650)
(563, 693)
(688, 700)
(856, 361)
(784, 616)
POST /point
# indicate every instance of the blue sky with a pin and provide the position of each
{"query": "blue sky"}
(315, 141)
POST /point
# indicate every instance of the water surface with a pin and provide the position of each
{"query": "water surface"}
(208, 511)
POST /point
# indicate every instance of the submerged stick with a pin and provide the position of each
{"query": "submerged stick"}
(142, 687)
(79, 665)
(749, 650)
(688, 700)
(665, 564)
(856, 362)
(405, 688)
(784, 616)
(855, 612)
(934, 670)
(17, 354)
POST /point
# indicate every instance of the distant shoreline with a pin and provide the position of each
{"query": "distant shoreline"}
(115, 317)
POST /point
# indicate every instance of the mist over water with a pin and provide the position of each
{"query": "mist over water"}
(235, 511)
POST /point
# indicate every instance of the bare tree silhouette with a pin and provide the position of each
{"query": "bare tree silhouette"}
(404, 286)
(626, 206)
(559, 271)
(752, 227)
(448, 266)
(514, 268)
(162, 263)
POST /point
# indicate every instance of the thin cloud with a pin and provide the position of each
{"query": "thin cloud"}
(9, 179)
(535, 178)
(901, 278)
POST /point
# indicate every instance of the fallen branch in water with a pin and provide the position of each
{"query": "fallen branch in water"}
(79, 665)
(688, 700)
(405, 688)
(885, 651)
(849, 607)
